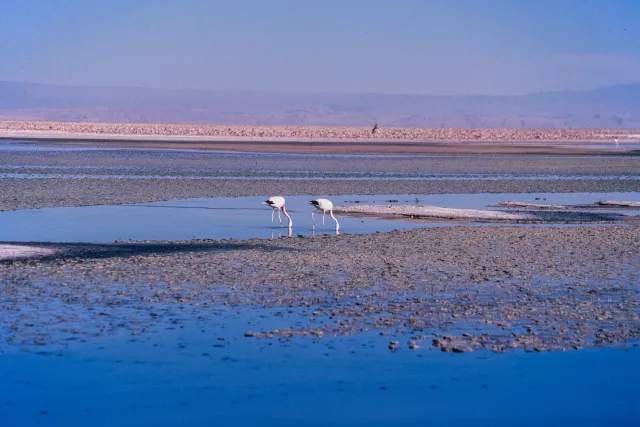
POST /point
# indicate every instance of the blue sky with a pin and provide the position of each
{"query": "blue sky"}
(384, 46)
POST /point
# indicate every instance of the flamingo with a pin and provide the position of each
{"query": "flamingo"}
(278, 203)
(323, 205)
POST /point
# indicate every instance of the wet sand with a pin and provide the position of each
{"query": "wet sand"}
(81, 178)
(462, 279)
(454, 289)
(42, 193)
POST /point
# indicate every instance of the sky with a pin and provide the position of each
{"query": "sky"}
(439, 47)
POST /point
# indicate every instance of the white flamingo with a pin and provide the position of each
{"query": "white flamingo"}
(325, 206)
(277, 203)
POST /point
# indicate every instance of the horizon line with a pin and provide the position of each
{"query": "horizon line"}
(288, 92)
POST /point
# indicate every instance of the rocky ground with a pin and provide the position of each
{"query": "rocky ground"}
(456, 289)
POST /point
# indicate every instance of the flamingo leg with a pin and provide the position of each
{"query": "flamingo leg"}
(279, 216)
(313, 219)
(324, 214)
(272, 213)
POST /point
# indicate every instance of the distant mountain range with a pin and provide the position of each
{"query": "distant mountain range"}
(608, 107)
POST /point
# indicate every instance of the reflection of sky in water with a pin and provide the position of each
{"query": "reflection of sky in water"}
(324, 176)
(27, 146)
(288, 168)
(241, 217)
(183, 375)
(137, 172)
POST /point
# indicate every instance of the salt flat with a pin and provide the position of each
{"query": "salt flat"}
(418, 321)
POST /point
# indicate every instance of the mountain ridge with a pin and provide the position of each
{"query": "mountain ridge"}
(611, 107)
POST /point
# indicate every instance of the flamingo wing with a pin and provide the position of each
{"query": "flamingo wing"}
(275, 201)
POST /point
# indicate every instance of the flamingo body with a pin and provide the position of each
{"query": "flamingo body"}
(324, 206)
(277, 203)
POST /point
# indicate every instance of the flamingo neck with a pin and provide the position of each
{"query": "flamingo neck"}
(334, 218)
(284, 211)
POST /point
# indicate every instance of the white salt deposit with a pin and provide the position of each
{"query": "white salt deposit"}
(436, 212)
(603, 203)
(426, 211)
(9, 252)
(618, 204)
(509, 204)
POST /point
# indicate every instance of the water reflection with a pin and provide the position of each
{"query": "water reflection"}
(322, 232)
(277, 234)
(281, 233)
(325, 176)
(241, 217)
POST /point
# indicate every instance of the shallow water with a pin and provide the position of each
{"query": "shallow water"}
(325, 176)
(179, 373)
(26, 145)
(184, 375)
(241, 217)
(11, 146)
(621, 146)
(218, 218)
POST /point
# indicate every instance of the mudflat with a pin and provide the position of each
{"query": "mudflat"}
(37, 176)
(456, 289)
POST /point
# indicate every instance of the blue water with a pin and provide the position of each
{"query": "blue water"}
(188, 377)
(181, 374)
(31, 146)
(240, 217)
(326, 176)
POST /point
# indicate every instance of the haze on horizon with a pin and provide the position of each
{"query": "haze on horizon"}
(377, 46)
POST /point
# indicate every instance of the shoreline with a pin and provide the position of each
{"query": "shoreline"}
(322, 146)
(324, 140)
